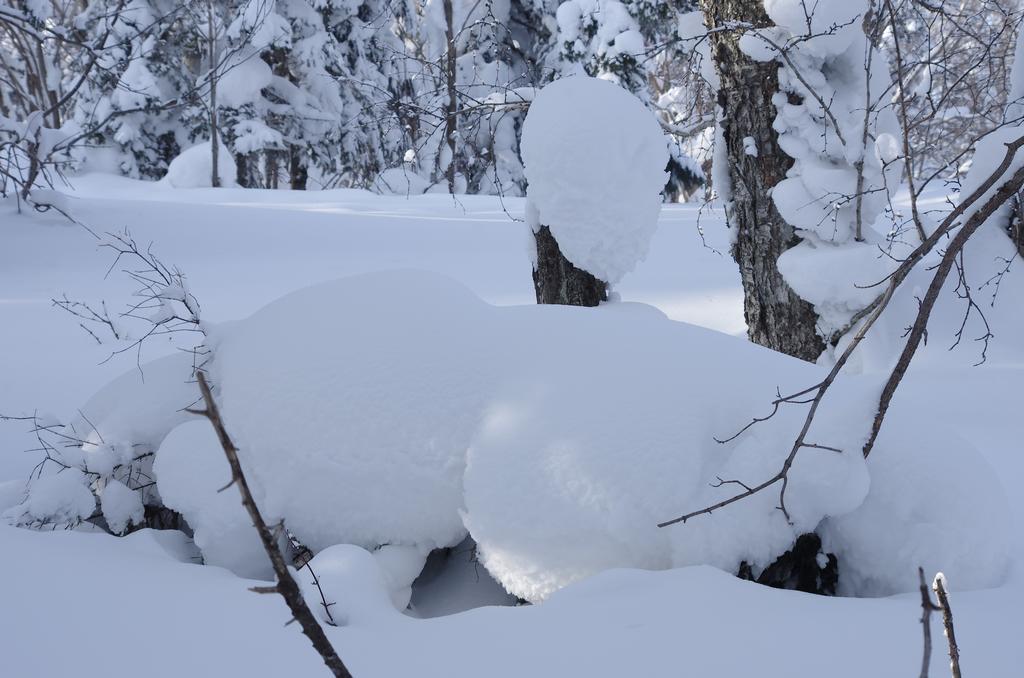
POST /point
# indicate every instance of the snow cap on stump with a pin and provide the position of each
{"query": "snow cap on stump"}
(595, 161)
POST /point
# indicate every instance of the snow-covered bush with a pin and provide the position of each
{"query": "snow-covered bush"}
(100, 464)
(106, 451)
(595, 160)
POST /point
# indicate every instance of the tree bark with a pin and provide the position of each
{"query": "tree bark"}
(451, 108)
(270, 168)
(557, 281)
(1016, 225)
(214, 140)
(298, 173)
(776, 317)
(242, 171)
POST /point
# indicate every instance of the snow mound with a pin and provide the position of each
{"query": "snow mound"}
(400, 566)
(352, 583)
(121, 506)
(191, 469)
(580, 457)
(354, 402)
(193, 167)
(595, 161)
(132, 414)
(62, 497)
(399, 181)
(936, 503)
(397, 411)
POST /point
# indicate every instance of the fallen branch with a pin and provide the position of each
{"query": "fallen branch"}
(286, 585)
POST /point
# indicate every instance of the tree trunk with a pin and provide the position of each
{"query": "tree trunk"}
(242, 171)
(298, 173)
(776, 317)
(271, 168)
(557, 281)
(1016, 225)
(214, 141)
(450, 122)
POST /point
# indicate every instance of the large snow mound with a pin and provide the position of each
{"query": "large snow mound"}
(399, 409)
(354, 402)
(581, 456)
(936, 503)
(595, 161)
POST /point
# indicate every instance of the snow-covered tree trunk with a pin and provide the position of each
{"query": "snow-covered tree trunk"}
(595, 159)
(243, 170)
(214, 140)
(1016, 227)
(451, 108)
(776, 317)
(557, 281)
(298, 173)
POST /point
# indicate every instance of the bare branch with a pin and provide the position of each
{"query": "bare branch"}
(939, 586)
(286, 584)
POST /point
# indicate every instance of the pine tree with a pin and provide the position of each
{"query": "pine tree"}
(128, 103)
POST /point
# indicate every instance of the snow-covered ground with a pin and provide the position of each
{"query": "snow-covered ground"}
(74, 599)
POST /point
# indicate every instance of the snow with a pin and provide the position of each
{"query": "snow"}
(122, 507)
(193, 167)
(355, 390)
(400, 566)
(241, 78)
(839, 279)
(63, 495)
(989, 155)
(932, 518)
(595, 160)
(941, 475)
(602, 30)
(556, 476)
(622, 622)
(834, 24)
(137, 409)
(353, 585)
(400, 181)
(192, 474)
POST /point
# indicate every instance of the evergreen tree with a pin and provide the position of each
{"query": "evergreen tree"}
(128, 103)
